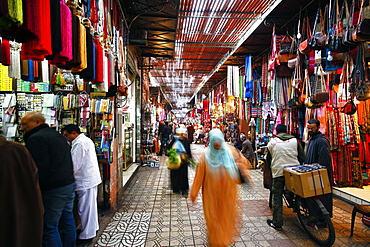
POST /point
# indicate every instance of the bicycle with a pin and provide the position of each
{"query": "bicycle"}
(313, 216)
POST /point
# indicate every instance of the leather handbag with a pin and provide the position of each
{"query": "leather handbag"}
(363, 90)
(294, 100)
(319, 39)
(297, 78)
(336, 41)
(349, 108)
(283, 70)
(347, 35)
(362, 31)
(320, 95)
(287, 44)
(306, 32)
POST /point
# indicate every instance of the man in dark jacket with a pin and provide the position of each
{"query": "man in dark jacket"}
(318, 151)
(165, 133)
(52, 156)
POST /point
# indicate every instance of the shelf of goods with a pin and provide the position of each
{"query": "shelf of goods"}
(127, 149)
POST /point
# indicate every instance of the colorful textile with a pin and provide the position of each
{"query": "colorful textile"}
(39, 14)
(65, 53)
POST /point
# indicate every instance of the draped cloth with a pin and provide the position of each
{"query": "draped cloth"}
(11, 14)
(89, 73)
(64, 54)
(39, 21)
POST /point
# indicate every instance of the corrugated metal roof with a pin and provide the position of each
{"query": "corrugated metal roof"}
(187, 52)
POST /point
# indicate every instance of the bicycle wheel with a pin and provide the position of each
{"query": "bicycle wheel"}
(315, 221)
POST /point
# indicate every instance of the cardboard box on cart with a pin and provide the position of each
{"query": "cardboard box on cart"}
(307, 184)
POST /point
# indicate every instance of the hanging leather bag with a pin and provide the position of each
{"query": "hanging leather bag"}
(286, 44)
(360, 77)
(312, 42)
(306, 32)
(323, 38)
(320, 95)
(336, 40)
(283, 70)
(319, 39)
(347, 35)
(349, 108)
(362, 31)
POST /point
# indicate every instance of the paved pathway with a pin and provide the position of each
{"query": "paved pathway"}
(150, 215)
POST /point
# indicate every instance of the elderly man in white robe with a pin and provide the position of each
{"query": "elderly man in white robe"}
(87, 176)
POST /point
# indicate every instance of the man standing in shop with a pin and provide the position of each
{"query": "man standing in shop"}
(247, 149)
(50, 151)
(283, 150)
(165, 133)
(87, 175)
(318, 151)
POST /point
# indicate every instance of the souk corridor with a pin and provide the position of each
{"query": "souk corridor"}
(150, 215)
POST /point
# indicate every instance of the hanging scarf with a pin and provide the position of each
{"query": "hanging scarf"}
(248, 77)
(221, 157)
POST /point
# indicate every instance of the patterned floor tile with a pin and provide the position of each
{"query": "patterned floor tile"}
(151, 216)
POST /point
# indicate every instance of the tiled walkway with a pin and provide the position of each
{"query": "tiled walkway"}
(150, 215)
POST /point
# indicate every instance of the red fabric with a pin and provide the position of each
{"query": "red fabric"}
(206, 105)
(99, 64)
(31, 17)
(38, 48)
(105, 26)
(94, 12)
(5, 52)
(311, 62)
(109, 71)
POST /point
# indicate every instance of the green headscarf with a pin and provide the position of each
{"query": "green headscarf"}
(222, 157)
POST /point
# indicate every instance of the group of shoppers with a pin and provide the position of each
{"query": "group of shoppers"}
(42, 180)
(218, 173)
(52, 171)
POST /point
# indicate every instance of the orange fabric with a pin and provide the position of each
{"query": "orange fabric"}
(219, 195)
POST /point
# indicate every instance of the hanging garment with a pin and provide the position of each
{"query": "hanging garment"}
(65, 54)
(5, 52)
(15, 61)
(30, 71)
(81, 49)
(89, 72)
(36, 49)
(11, 14)
(56, 31)
(248, 77)
(76, 59)
(99, 64)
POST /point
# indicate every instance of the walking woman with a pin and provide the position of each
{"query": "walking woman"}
(217, 174)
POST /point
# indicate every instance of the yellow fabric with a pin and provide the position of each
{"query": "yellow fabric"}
(219, 195)
(5, 80)
(82, 50)
(15, 8)
(65, 103)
